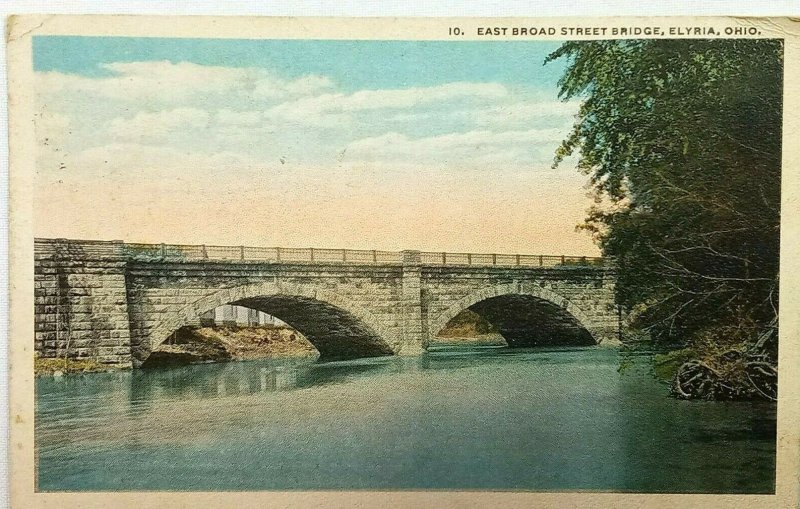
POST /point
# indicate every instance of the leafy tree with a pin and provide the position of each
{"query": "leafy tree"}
(682, 143)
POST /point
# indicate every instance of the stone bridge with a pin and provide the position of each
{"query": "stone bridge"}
(115, 301)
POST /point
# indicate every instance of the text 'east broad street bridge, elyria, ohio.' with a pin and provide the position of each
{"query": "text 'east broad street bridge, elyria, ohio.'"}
(115, 301)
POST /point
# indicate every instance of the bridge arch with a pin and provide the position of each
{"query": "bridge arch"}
(535, 295)
(345, 330)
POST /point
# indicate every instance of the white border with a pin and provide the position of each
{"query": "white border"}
(354, 8)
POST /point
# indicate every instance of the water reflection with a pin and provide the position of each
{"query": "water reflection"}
(727, 445)
(456, 357)
(90, 394)
(341, 372)
(475, 418)
(249, 377)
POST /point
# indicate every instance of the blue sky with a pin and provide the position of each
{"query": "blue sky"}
(363, 144)
(355, 64)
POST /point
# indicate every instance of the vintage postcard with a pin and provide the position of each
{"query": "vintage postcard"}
(317, 262)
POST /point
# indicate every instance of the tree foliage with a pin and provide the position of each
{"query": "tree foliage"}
(682, 143)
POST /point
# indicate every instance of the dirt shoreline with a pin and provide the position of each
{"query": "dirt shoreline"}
(192, 345)
(199, 345)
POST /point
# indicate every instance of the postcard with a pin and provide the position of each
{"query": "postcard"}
(335, 262)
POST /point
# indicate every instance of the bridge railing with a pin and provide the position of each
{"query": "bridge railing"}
(250, 253)
(444, 258)
(282, 254)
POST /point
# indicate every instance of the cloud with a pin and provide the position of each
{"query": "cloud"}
(313, 108)
(167, 82)
(239, 118)
(274, 87)
(477, 147)
(146, 127)
(527, 111)
(308, 119)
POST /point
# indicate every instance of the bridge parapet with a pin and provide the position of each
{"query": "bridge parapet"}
(193, 252)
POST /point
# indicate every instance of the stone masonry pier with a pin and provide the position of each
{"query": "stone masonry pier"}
(115, 301)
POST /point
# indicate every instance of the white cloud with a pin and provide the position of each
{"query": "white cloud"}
(519, 148)
(311, 109)
(207, 109)
(242, 118)
(168, 82)
(272, 87)
(159, 126)
(527, 112)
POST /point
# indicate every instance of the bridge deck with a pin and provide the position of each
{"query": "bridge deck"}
(138, 251)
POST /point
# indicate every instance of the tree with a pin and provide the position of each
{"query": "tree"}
(682, 143)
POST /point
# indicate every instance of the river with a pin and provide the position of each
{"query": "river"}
(454, 418)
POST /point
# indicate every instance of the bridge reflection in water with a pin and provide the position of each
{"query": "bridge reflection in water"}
(223, 380)
(252, 377)
(137, 390)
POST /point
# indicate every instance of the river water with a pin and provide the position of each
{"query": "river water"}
(480, 418)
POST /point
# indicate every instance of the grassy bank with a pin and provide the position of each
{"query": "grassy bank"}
(666, 365)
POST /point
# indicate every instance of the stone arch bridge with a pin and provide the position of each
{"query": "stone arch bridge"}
(117, 301)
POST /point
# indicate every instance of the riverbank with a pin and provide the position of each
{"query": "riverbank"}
(61, 366)
(470, 327)
(192, 345)
(198, 345)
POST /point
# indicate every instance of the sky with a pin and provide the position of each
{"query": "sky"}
(431, 145)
